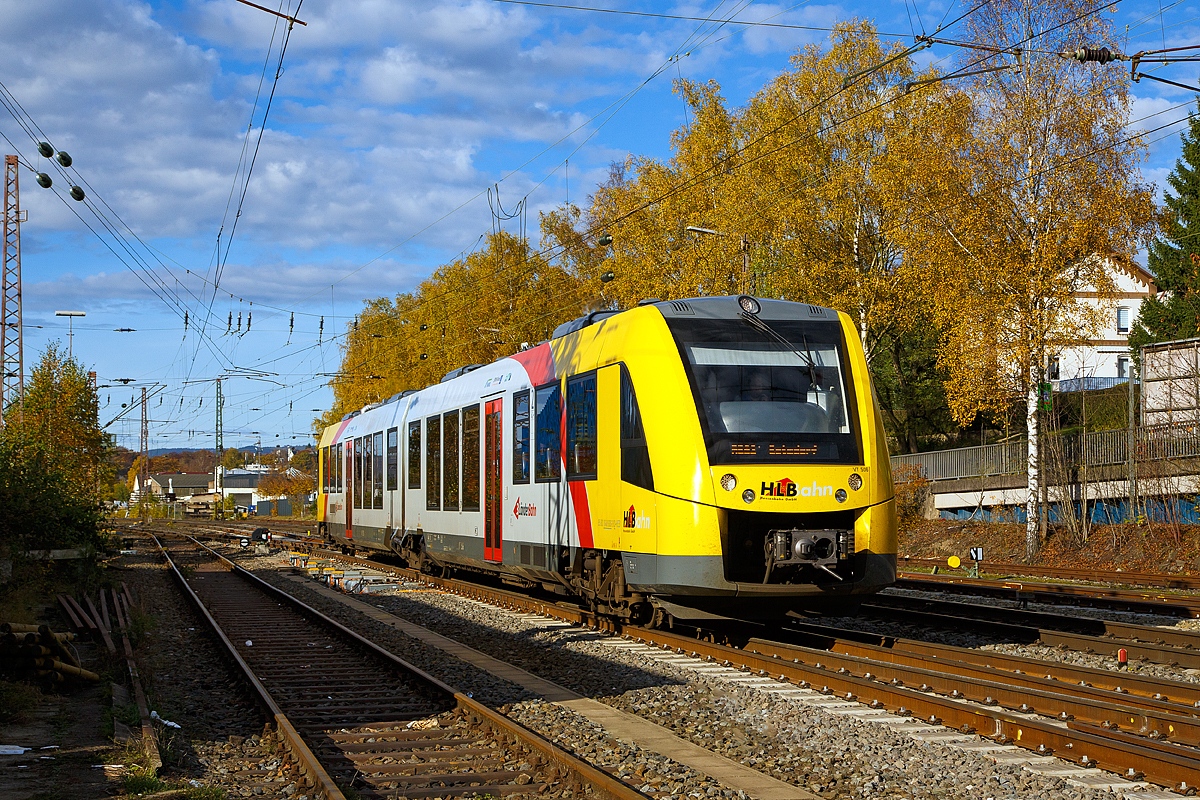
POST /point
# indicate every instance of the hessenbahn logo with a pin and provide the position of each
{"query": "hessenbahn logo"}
(788, 489)
(633, 519)
(524, 509)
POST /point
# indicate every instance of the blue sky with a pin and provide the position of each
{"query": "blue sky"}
(389, 122)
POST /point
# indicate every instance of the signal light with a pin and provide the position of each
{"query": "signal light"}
(748, 495)
(840, 494)
(855, 481)
(728, 482)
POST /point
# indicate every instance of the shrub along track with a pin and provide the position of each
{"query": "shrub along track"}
(353, 715)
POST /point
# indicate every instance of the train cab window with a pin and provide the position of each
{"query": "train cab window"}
(393, 459)
(450, 461)
(548, 433)
(365, 490)
(581, 428)
(377, 472)
(358, 472)
(470, 458)
(635, 455)
(779, 391)
(414, 455)
(433, 463)
(520, 465)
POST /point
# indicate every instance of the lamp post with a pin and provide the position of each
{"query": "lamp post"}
(70, 315)
(745, 286)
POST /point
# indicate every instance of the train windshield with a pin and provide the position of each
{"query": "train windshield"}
(779, 393)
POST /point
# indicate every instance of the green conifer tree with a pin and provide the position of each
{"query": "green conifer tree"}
(1174, 257)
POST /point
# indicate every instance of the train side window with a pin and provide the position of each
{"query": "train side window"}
(338, 467)
(548, 433)
(393, 459)
(520, 464)
(414, 455)
(470, 447)
(635, 455)
(581, 428)
(358, 472)
(433, 463)
(450, 470)
(365, 488)
(377, 471)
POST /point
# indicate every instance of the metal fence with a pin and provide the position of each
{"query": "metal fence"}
(1095, 449)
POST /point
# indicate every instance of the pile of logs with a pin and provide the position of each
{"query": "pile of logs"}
(35, 652)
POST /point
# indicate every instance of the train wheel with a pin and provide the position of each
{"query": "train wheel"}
(660, 619)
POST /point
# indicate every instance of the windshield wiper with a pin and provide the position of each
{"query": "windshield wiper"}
(806, 356)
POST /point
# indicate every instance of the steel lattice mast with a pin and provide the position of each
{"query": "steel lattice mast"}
(12, 348)
(145, 468)
(218, 476)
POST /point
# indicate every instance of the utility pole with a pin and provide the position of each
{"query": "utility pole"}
(145, 469)
(218, 470)
(12, 349)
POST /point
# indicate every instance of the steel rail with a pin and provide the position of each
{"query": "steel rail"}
(1166, 764)
(888, 605)
(1159, 580)
(1145, 601)
(1079, 642)
(605, 785)
(1185, 695)
(304, 757)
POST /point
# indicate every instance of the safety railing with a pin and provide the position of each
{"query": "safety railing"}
(1095, 449)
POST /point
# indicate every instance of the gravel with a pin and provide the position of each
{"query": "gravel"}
(833, 756)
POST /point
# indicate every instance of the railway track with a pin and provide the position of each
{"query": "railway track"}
(1141, 601)
(1135, 727)
(1159, 580)
(355, 717)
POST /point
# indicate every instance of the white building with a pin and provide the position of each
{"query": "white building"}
(1103, 361)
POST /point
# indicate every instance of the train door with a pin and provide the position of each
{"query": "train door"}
(493, 482)
(350, 487)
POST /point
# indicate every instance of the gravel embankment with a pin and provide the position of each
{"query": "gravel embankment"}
(834, 756)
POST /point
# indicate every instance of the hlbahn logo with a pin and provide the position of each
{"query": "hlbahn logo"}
(633, 519)
(524, 509)
(788, 488)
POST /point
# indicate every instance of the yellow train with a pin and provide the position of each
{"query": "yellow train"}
(713, 455)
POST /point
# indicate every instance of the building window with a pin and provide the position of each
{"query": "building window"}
(1123, 320)
(433, 463)
(450, 470)
(581, 427)
(414, 455)
(520, 465)
(377, 471)
(548, 433)
(1122, 366)
(393, 459)
(470, 447)
(635, 455)
(1053, 370)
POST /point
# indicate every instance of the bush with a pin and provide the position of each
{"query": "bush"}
(912, 495)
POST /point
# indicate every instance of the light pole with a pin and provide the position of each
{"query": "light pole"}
(70, 315)
(745, 248)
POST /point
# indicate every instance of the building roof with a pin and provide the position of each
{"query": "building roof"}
(183, 480)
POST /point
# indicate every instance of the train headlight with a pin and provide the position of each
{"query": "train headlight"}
(748, 304)
(840, 494)
(748, 495)
(855, 481)
(728, 482)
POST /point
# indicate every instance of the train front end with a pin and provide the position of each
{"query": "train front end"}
(778, 496)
